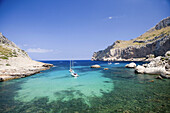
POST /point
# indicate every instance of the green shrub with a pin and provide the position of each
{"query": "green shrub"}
(8, 65)
(3, 57)
(147, 37)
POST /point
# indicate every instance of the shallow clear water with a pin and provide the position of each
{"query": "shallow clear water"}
(118, 89)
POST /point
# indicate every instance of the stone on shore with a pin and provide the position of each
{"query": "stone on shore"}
(131, 65)
(95, 66)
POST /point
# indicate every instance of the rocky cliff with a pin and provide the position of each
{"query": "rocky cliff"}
(154, 42)
(15, 63)
(8, 49)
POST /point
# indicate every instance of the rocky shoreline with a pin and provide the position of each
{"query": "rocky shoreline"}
(158, 66)
(21, 71)
(8, 76)
(15, 62)
(130, 59)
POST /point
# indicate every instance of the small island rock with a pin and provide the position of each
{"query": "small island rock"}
(131, 65)
(95, 66)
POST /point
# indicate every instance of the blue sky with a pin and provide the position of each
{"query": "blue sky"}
(74, 29)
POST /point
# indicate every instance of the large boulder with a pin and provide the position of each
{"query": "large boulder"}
(131, 65)
(95, 66)
(140, 69)
(167, 54)
(150, 70)
(155, 70)
(159, 65)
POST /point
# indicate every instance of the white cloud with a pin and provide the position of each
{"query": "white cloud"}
(116, 17)
(38, 50)
(110, 17)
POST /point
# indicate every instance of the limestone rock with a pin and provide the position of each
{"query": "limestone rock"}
(159, 77)
(140, 69)
(158, 65)
(164, 23)
(47, 65)
(167, 54)
(95, 66)
(155, 70)
(131, 65)
(15, 63)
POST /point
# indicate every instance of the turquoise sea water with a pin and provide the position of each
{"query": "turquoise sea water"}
(118, 89)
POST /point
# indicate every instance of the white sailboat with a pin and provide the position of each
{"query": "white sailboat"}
(72, 71)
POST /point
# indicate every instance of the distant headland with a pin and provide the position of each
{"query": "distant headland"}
(155, 42)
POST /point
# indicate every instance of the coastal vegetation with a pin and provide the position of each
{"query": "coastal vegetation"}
(5, 53)
(142, 40)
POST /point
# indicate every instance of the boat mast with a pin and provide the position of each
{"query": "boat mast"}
(70, 64)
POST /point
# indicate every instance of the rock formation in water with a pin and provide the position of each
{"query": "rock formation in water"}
(131, 65)
(155, 42)
(15, 63)
(159, 65)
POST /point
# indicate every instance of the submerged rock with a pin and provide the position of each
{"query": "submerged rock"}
(165, 76)
(131, 65)
(106, 68)
(151, 81)
(159, 77)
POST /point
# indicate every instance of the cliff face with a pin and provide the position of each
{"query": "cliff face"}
(156, 41)
(15, 63)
